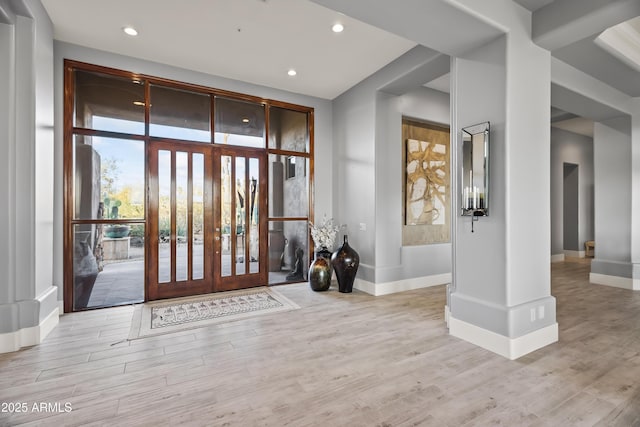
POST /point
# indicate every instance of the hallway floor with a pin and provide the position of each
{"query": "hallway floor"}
(342, 360)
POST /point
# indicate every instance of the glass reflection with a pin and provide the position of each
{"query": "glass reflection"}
(180, 114)
(475, 172)
(107, 271)
(240, 215)
(288, 130)
(104, 102)
(108, 178)
(289, 185)
(288, 251)
(225, 209)
(239, 123)
(254, 215)
(164, 216)
(182, 188)
(197, 234)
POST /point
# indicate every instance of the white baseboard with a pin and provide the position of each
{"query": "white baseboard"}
(377, 289)
(557, 258)
(615, 281)
(14, 341)
(447, 313)
(511, 348)
(574, 254)
(61, 307)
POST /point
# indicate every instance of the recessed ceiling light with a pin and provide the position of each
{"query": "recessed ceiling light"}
(337, 28)
(130, 31)
(292, 72)
(245, 120)
(138, 103)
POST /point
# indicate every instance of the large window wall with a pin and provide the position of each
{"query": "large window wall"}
(111, 117)
(289, 184)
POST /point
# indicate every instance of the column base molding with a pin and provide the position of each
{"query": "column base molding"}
(511, 348)
(14, 341)
(615, 281)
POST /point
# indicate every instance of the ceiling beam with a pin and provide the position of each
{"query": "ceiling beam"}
(437, 24)
(581, 105)
(436, 66)
(558, 115)
(564, 22)
(565, 76)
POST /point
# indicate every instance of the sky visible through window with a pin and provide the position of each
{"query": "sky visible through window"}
(129, 155)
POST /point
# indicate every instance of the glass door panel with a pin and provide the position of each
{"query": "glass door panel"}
(197, 216)
(240, 216)
(180, 198)
(254, 215)
(182, 207)
(200, 243)
(242, 227)
(164, 216)
(225, 220)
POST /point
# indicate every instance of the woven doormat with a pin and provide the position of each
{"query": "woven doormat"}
(162, 317)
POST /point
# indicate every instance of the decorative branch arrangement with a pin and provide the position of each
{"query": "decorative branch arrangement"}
(324, 235)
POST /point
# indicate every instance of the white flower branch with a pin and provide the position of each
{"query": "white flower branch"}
(324, 235)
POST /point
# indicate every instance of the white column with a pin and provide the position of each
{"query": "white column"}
(635, 192)
(28, 299)
(613, 193)
(501, 297)
(7, 138)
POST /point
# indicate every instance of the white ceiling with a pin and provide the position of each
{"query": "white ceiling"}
(622, 41)
(256, 41)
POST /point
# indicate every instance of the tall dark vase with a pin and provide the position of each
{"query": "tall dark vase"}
(320, 271)
(345, 262)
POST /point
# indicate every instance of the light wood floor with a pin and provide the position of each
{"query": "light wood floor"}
(341, 360)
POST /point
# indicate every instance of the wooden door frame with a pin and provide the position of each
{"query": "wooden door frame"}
(70, 130)
(246, 280)
(212, 281)
(175, 288)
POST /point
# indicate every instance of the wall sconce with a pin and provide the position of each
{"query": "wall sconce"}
(475, 171)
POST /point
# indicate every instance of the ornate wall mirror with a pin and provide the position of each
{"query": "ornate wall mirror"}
(475, 170)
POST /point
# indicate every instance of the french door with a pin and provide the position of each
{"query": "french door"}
(206, 219)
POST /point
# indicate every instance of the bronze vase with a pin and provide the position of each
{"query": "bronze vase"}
(320, 272)
(345, 262)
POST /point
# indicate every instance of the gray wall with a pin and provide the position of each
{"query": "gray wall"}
(43, 149)
(570, 190)
(409, 261)
(635, 186)
(480, 256)
(7, 94)
(26, 127)
(368, 156)
(569, 147)
(612, 172)
(353, 135)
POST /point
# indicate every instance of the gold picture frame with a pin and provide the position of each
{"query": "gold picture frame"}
(426, 185)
